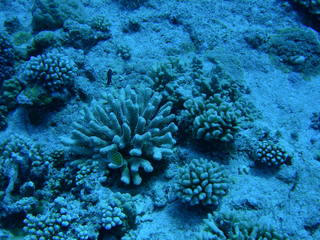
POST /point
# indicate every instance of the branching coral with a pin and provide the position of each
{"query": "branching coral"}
(213, 119)
(129, 128)
(202, 182)
(52, 70)
(167, 78)
(49, 78)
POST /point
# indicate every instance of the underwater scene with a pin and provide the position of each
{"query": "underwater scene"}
(159, 120)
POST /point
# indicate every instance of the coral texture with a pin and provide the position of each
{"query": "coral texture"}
(202, 182)
(129, 129)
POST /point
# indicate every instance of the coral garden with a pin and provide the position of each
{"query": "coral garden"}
(144, 119)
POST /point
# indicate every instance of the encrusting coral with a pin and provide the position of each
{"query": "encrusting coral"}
(128, 128)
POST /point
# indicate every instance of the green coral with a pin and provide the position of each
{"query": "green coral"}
(202, 182)
(226, 227)
(129, 129)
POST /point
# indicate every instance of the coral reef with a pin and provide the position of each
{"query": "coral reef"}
(128, 129)
(225, 226)
(100, 23)
(3, 117)
(112, 216)
(89, 172)
(9, 92)
(271, 154)
(202, 182)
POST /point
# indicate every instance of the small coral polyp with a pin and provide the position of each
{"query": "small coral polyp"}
(127, 128)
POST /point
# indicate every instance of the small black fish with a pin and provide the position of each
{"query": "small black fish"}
(109, 77)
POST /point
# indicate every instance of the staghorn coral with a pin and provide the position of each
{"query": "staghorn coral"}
(202, 182)
(220, 226)
(129, 129)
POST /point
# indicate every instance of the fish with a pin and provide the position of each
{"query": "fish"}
(109, 77)
(116, 160)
